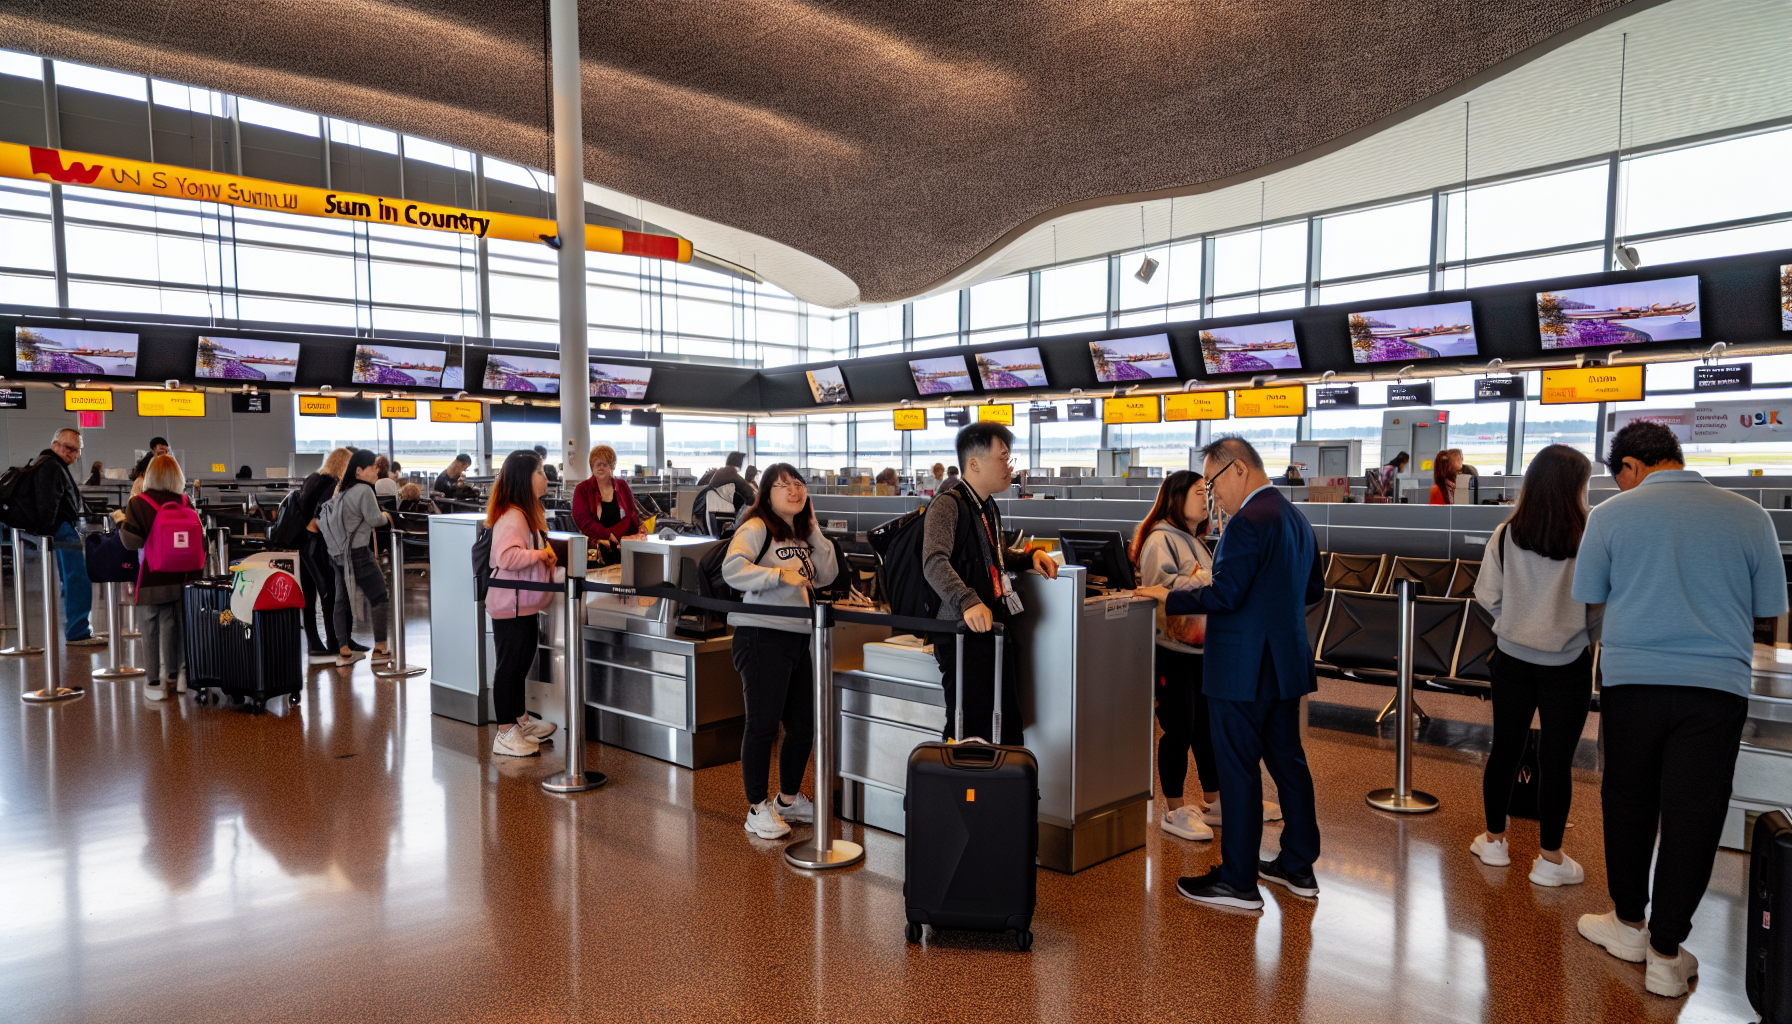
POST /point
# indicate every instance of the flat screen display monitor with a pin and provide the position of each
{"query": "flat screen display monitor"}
(828, 385)
(940, 375)
(1442, 330)
(1118, 360)
(1011, 368)
(1102, 553)
(610, 380)
(1786, 297)
(1632, 313)
(392, 366)
(246, 359)
(537, 374)
(75, 353)
(1250, 348)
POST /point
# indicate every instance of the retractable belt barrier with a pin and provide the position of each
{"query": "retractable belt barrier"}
(820, 850)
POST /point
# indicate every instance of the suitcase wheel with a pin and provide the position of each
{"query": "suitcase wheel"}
(1023, 940)
(292, 699)
(913, 932)
(258, 706)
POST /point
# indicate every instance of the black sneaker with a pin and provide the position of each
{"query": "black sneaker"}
(1303, 884)
(1209, 889)
(357, 648)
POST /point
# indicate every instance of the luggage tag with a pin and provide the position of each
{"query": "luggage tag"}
(1010, 596)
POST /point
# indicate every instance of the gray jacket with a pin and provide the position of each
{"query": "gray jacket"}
(1535, 615)
(361, 512)
(762, 581)
(1169, 558)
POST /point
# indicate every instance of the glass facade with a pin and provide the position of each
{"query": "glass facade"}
(161, 257)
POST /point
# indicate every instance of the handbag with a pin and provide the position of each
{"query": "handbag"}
(1189, 630)
(108, 560)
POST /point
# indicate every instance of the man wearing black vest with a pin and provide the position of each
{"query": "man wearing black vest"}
(966, 564)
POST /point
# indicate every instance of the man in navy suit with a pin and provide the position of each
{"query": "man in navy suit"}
(1259, 663)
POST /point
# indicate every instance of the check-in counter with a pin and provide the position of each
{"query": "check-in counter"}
(1763, 780)
(1086, 702)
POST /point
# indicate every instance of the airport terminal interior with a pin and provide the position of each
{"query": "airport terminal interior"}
(260, 760)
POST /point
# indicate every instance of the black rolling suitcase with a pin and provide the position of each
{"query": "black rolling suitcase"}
(972, 812)
(256, 662)
(1769, 962)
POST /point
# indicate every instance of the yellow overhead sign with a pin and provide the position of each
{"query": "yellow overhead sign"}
(911, 419)
(35, 163)
(398, 408)
(1003, 414)
(444, 411)
(1593, 384)
(1139, 409)
(1195, 405)
(80, 400)
(171, 403)
(317, 405)
(1291, 401)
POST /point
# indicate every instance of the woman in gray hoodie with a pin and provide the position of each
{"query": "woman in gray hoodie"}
(1544, 661)
(777, 557)
(357, 511)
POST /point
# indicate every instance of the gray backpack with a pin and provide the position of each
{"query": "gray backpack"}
(329, 526)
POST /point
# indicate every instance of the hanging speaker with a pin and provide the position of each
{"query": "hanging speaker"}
(1147, 268)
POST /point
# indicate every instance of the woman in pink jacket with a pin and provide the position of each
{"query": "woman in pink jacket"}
(520, 551)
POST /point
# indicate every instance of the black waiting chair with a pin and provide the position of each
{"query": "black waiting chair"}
(1363, 638)
(1462, 581)
(1360, 573)
(1431, 574)
(1317, 614)
(1471, 675)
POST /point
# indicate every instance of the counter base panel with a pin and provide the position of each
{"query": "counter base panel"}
(872, 805)
(716, 743)
(1100, 837)
(456, 704)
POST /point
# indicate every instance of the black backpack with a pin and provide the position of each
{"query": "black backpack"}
(898, 547)
(287, 533)
(30, 502)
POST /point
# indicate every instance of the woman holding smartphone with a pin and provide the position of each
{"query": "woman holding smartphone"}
(520, 551)
(777, 557)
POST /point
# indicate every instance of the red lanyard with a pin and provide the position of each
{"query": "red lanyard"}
(995, 575)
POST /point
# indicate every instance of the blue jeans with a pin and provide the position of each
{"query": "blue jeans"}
(77, 589)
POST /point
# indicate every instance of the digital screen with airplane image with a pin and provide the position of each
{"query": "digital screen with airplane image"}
(1438, 331)
(1633, 313)
(1250, 348)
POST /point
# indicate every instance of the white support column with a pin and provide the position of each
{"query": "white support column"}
(569, 202)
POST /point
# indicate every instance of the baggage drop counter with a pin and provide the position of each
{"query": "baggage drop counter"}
(1086, 701)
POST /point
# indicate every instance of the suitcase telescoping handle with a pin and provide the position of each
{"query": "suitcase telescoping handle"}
(964, 634)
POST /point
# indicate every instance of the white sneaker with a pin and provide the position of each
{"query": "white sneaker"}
(764, 822)
(802, 809)
(1566, 873)
(1185, 823)
(344, 660)
(180, 683)
(1211, 815)
(538, 729)
(512, 742)
(154, 690)
(1668, 977)
(1618, 938)
(1492, 853)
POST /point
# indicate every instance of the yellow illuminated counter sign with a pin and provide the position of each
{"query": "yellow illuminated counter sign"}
(456, 412)
(1195, 405)
(1593, 384)
(911, 419)
(317, 405)
(171, 403)
(75, 400)
(1003, 414)
(1142, 409)
(398, 408)
(1271, 402)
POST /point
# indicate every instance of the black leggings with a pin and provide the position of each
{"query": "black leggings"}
(1558, 694)
(777, 678)
(319, 578)
(517, 640)
(1182, 712)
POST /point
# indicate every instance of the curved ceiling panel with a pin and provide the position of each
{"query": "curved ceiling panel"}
(894, 142)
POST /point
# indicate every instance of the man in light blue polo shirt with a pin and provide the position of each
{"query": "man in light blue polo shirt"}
(1683, 569)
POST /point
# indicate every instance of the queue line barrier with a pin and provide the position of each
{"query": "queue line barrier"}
(821, 850)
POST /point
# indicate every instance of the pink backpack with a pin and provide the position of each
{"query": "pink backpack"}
(176, 540)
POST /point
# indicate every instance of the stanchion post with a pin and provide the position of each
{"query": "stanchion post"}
(23, 646)
(221, 546)
(574, 778)
(821, 849)
(53, 689)
(115, 631)
(397, 669)
(6, 627)
(1403, 799)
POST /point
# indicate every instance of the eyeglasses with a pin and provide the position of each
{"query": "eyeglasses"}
(790, 485)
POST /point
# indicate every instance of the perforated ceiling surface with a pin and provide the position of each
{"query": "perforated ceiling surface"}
(894, 141)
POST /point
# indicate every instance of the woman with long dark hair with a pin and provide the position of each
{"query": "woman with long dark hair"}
(1543, 663)
(777, 557)
(358, 514)
(1443, 479)
(520, 551)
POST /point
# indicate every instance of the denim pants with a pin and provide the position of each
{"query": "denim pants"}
(77, 589)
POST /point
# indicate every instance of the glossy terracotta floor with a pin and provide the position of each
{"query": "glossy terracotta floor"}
(355, 858)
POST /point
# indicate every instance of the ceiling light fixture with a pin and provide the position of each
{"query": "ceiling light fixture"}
(1627, 257)
(1147, 266)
